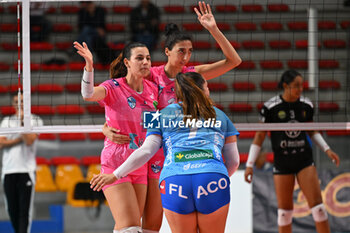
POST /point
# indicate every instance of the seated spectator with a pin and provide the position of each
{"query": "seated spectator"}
(144, 24)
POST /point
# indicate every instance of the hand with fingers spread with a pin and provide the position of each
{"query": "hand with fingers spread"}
(98, 181)
(113, 135)
(205, 16)
(84, 51)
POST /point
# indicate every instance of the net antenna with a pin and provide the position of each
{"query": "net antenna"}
(19, 103)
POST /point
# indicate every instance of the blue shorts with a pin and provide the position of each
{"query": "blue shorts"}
(204, 192)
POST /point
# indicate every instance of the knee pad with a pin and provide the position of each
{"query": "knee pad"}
(133, 229)
(284, 217)
(319, 213)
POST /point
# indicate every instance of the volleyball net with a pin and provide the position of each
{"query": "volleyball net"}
(270, 36)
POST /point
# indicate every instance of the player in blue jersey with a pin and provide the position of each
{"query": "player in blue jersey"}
(200, 144)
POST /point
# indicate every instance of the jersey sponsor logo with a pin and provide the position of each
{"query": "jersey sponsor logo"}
(211, 187)
(293, 133)
(160, 89)
(156, 168)
(131, 102)
(281, 114)
(162, 187)
(193, 166)
(116, 83)
(185, 156)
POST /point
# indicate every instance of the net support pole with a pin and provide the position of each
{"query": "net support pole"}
(26, 65)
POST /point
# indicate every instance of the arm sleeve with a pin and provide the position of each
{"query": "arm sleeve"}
(231, 155)
(139, 156)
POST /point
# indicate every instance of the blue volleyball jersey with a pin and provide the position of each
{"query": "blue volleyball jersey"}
(193, 146)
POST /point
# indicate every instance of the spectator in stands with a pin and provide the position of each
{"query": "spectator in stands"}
(144, 24)
(40, 26)
(18, 168)
(92, 30)
(178, 49)
(125, 96)
(292, 152)
(194, 159)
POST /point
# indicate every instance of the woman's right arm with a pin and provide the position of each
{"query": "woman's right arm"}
(88, 91)
(253, 154)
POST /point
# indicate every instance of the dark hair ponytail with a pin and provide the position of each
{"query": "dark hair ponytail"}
(288, 77)
(189, 90)
(117, 68)
(174, 35)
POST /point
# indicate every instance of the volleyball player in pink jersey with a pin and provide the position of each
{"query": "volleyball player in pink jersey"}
(178, 49)
(125, 96)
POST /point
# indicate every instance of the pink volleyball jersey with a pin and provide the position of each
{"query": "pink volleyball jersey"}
(165, 85)
(123, 110)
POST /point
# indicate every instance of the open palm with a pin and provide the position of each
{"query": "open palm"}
(84, 51)
(205, 16)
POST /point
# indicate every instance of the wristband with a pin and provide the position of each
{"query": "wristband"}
(87, 84)
(254, 151)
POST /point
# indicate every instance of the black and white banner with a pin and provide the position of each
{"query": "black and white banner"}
(335, 186)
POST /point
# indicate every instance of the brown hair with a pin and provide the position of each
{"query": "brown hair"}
(195, 104)
(117, 68)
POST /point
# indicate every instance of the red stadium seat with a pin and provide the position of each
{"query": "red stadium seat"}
(49, 88)
(1, 9)
(245, 26)
(13, 9)
(271, 26)
(119, 46)
(192, 27)
(162, 26)
(243, 86)
(201, 44)
(303, 44)
(3, 89)
(158, 63)
(4, 66)
(43, 110)
(297, 64)
(259, 106)
(226, 8)
(9, 46)
(174, 9)
(115, 27)
(240, 107)
(73, 87)
(328, 84)
(328, 64)
(223, 26)
(246, 134)
(71, 109)
(217, 86)
(51, 10)
(271, 65)
(96, 136)
(102, 67)
(95, 109)
(40, 46)
(246, 65)
(280, 44)
(70, 9)
(334, 44)
(243, 157)
(338, 132)
(269, 85)
(278, 7)
(235, 44)
(219, 106)
(72, 136)
(253, 44)
(62, 27)
(328, 107)
(88, 160)
(252, 8)
(122, 9)
(194, 63)
(53, 67)
(270, 157)
(63, 45)
(47, 136)
(297, 26)
(326, 25)
(8, 27)
(345, 24)
(7, 110)
(76, 66)
(14, 88)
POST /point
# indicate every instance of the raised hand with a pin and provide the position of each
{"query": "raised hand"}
(205, 16)
(84, 51)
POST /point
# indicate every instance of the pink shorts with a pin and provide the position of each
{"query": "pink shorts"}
(134, 179)
(155, 164)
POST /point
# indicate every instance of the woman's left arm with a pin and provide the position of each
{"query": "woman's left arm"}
(231, 154)
(232, 60)
(322, 144)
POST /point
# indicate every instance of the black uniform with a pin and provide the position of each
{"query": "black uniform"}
(292, 149)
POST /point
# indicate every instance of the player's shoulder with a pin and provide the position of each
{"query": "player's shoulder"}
(306, 100)
(273, 102)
